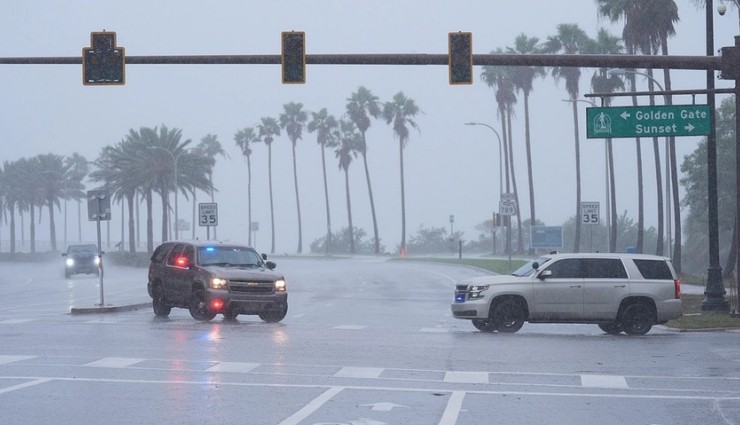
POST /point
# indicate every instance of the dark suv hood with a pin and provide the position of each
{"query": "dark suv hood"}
(242, 273)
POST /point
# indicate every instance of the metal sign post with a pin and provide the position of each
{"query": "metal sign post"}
(98, 208)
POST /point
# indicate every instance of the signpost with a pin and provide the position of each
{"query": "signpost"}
(98, 208)
(647, 121)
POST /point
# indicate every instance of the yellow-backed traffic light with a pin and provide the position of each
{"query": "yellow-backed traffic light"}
(294, 57)
(460, 57)
(103, 63)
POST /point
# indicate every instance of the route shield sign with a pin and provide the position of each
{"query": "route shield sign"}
(507, 204)
(647, 121)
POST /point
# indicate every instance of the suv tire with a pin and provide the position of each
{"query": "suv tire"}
(483, 325)
(614, 328)
(507, 316)
(199, 306)
(637, 319)
(159, 304)
(274, 316)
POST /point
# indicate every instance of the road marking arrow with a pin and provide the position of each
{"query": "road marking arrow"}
(689, 128)
(625, 115)
(383, 407)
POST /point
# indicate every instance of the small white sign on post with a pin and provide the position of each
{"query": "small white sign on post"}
(507, 204)
(208, 214)
(590, 212)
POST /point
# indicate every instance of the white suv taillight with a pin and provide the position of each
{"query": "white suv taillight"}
(677, 286)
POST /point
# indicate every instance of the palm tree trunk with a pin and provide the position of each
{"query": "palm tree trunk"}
(52, 226)
(249, 199)
(149, 221)
(327, 242)
(372, 201)
(529, 165)
(507, 171)
(131, 227)
(349, 212)
(33, 229)
(11, 209)
(403, 200)
(577, 239)
(297, 202)
(658, 174)
(520, 240)
(213, 200)
(640, 183)
(674, 174)
(613, 199)
(272, 208)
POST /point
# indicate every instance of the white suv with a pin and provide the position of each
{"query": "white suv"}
(619, 292)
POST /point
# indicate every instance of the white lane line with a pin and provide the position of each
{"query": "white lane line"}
(314, 405)
(349, 327)
(454, 405)
(359, 372)
(12, 359)
(25, 385)
(466, 377)
(116, 362)
(603, 381)
(236, 367)
(15, 321)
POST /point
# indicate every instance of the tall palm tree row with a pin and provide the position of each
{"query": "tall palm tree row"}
(268, 128)
(349, 144)
(209, 147)
(244, 139)
(324, 125)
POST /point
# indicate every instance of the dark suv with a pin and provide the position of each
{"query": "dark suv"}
(81, 259)
(211, 278)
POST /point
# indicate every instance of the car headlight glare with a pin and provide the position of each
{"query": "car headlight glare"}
(97, 260)
(70, 262)
(280, 285)
(218, 283)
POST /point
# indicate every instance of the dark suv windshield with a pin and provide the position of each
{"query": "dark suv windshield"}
(228, 256)
(82, 249)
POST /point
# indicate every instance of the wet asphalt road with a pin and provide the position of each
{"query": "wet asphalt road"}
(365, 342)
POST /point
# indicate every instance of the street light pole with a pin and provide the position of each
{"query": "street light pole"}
(500, 169)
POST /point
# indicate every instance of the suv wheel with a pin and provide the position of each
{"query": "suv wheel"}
(274, 316)
(199, 306)
(507, 316)
(614, 328)
(159, 304)
(230, 315)
(483, 325)
(637, 319)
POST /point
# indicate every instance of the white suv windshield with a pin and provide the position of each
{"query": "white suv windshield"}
(527, 269)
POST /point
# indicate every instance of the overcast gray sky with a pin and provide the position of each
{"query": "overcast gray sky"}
(450, 168)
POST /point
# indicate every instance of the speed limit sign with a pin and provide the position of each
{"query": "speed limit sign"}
(208, 214)
(590, 212)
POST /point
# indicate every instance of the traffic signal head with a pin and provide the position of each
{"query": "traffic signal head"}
(103, 63)
(294, 57)
(460, 57)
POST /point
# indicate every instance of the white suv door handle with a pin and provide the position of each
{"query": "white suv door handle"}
(620, 286)
(575, 286)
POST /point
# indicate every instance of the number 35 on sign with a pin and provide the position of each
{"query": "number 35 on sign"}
(590, 212)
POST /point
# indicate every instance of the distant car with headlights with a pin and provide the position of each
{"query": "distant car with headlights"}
(618, 292)
(210, 278)
(81, 258)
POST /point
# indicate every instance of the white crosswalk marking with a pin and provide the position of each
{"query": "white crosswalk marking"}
(115, 362)
(12, 359)
(235, 367)
(603, 381)
(359, 372)
(466, 377)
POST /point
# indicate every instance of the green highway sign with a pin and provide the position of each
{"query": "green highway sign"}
(647, 121)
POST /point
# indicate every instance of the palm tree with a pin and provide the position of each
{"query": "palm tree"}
(12, 179)
(52, 180)
(571, 39)
(349, 144)
(268, 129)
(501, 80)
(400, 115)
(78, 171)
(361, 106)
(211, 148)
(292, 121)
(244, 138)
(603, 82)
(324, 125)
(523, 79)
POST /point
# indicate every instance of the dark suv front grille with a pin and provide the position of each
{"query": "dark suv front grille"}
(251, 287)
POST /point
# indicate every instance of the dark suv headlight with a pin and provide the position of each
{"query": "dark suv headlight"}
(280, 285)
(218, 283)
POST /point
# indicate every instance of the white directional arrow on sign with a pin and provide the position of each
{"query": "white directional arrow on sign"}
(625, 115)
(689, 128)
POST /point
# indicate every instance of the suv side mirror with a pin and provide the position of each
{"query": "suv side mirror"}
(264, 256)
(546, 273)
(64, 254)
(270, 265)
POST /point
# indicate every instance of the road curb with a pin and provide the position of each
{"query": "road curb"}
(108, 308)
